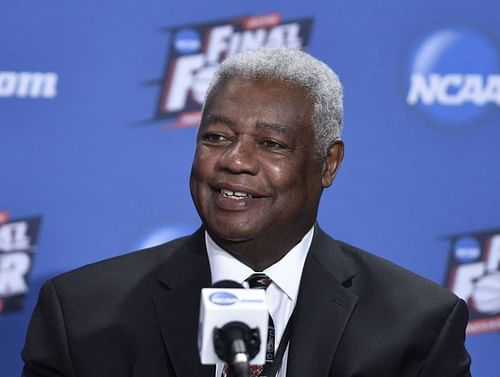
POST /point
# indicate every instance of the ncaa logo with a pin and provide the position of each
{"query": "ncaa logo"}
(453, 77)
(467, 250)
(187, 41)
(223, 298)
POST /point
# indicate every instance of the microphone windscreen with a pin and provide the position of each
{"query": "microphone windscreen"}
(225, 302)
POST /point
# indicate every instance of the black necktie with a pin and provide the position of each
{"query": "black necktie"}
(260, 280)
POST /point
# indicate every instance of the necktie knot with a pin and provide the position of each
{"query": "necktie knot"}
(259, 280)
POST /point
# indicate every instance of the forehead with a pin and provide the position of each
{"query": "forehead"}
(264, 99)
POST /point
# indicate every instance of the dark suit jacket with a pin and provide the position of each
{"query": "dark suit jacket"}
(137, 315)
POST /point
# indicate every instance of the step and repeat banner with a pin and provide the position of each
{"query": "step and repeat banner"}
(99, 103)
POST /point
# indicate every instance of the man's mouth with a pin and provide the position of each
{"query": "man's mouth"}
(238, 195)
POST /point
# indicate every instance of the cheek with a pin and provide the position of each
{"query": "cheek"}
(276, 170)
(289, 174)
(200, 173)
(298, 184)
(287, 182)
(202, 163)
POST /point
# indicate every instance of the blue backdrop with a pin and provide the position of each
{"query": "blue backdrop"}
(98, 99)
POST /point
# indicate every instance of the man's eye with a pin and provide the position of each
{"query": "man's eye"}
(213, 138)
(271, 144)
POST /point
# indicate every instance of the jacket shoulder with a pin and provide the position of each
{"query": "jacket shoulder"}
(116, 274)
(397, 299)
(381, 274)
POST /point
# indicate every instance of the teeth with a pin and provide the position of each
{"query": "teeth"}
(234, 194)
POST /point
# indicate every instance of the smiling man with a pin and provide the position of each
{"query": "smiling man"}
(257, 174)
(268, 145)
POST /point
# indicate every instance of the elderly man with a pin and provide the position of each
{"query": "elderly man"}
(268, 144)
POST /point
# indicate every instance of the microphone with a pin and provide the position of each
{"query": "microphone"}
(233, 320)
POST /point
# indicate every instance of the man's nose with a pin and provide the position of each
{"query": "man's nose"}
(240, 157)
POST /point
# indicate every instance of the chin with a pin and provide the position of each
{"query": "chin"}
(234, 233)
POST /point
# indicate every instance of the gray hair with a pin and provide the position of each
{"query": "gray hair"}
(300, 68)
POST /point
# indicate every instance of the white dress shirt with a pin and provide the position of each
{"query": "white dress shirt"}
(281, 294)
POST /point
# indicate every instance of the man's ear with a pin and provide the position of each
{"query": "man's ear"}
(331, 163)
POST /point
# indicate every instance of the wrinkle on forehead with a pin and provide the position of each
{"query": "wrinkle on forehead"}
(229, 92)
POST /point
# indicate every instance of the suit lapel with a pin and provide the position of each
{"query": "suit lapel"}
(177, 302)
(324, 306)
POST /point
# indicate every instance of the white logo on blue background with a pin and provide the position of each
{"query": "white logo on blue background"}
(467, 250)
(187, 41)
(454, 76)
(223, 298)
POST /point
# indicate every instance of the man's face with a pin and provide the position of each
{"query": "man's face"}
(255, 175)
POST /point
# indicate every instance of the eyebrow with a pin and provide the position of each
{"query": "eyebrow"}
(217, 118)
(272, 127)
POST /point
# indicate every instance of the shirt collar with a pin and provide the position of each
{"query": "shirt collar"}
(285, 273)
